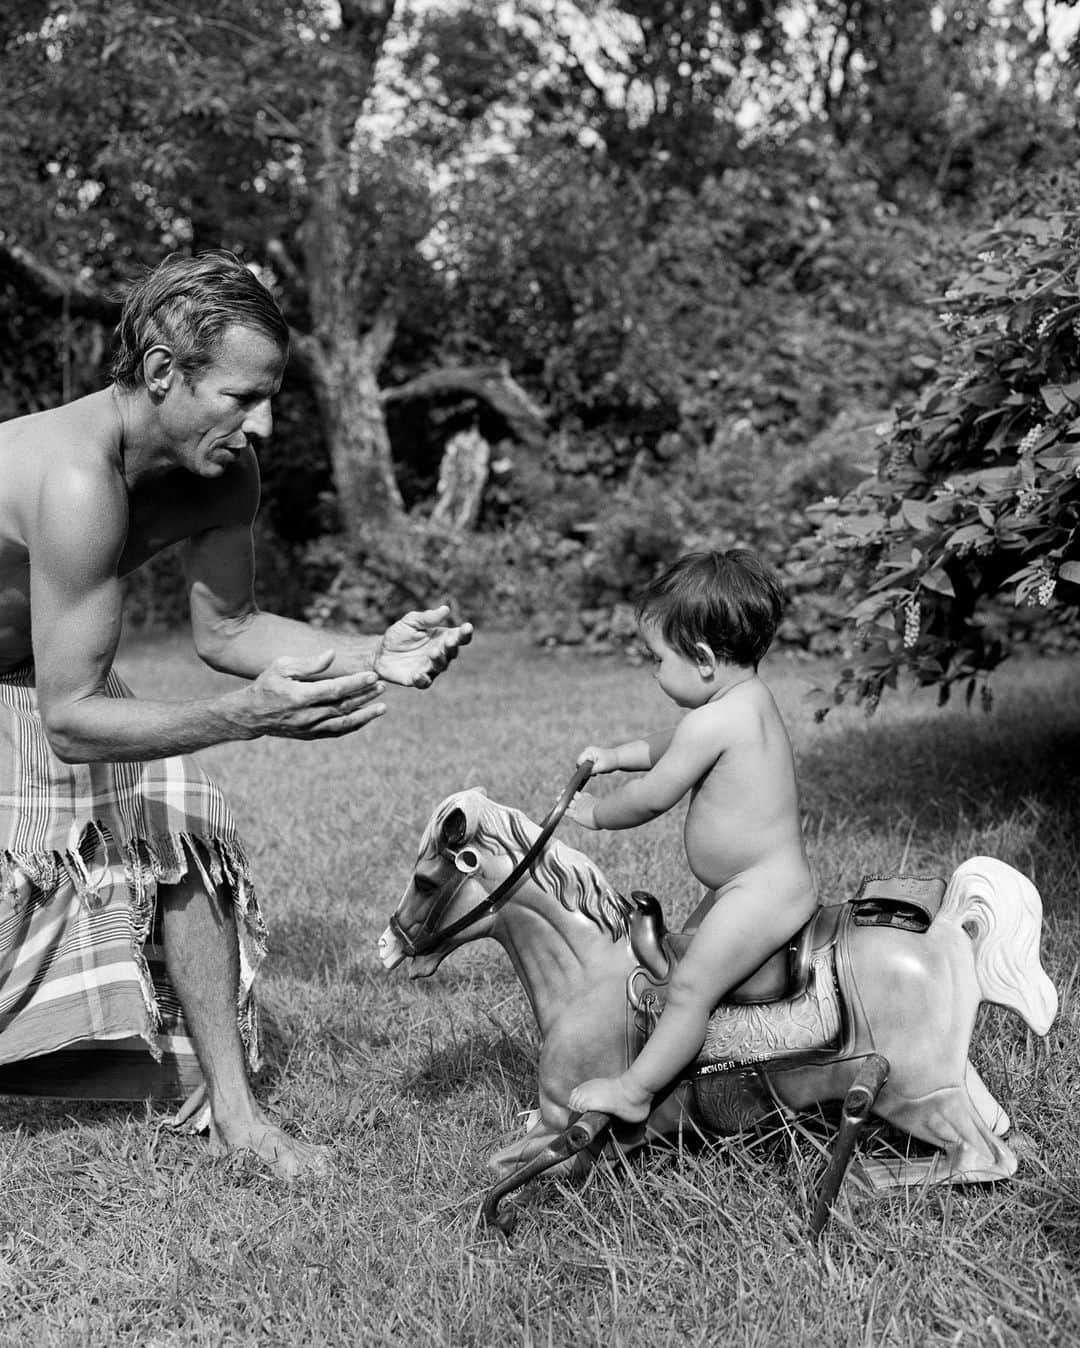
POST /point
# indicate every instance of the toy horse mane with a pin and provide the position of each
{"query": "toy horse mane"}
(578, 884)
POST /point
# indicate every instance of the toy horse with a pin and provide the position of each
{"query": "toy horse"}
(882, 1003)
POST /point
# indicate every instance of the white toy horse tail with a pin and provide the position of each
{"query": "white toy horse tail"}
(1001, 911)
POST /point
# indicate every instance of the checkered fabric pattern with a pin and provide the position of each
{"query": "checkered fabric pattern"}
(83, 847)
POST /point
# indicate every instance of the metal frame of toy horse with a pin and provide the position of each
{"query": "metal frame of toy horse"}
(586, 1128)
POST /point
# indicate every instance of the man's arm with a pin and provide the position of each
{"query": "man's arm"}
(75, 542)
(232, 634)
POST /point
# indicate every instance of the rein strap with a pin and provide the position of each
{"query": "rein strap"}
(503, 891)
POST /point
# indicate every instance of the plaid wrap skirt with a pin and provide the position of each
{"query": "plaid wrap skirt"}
(86, 1007)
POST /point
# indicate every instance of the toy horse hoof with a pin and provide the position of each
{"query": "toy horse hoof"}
(491, 1216)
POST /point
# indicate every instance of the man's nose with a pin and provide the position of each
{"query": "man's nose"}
(259, 421)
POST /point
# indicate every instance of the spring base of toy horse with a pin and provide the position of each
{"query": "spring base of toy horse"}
(583, 1131)
(858, 1102)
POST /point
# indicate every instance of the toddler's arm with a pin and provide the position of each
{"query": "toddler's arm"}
(633, 756)
(689, 751)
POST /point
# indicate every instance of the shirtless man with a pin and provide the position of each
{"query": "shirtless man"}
(88, 492)
(707, 622)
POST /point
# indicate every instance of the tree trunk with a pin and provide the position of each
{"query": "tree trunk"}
(345, 382)
(344, 365)
(462, 479)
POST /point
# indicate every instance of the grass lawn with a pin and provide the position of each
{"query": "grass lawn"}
(115, 1231)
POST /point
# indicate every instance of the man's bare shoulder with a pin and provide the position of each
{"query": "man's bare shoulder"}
(91, 418)
(62, 454)
(84, 432)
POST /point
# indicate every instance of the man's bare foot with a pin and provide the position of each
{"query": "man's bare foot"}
(611, 1095)
(287, 1157)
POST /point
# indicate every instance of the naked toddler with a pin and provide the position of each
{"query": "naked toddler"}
(707, 622)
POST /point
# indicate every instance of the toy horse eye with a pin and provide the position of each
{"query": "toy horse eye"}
(467, 861)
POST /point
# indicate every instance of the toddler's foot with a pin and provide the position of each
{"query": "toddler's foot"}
(611, 1095)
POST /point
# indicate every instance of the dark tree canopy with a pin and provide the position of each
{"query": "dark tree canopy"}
(620, 237)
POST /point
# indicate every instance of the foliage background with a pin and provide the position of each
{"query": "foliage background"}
(709, 244)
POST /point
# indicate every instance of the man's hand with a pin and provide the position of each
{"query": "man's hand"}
(418, 647)
(295, 698)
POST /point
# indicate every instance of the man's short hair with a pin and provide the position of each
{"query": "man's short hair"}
(732, 601)
(186, 304)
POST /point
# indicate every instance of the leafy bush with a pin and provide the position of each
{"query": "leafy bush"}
(976, 498)
(493, 578)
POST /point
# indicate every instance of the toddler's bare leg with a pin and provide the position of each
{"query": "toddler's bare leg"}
(740, 930)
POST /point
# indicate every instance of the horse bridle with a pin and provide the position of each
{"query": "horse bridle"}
(429, 939)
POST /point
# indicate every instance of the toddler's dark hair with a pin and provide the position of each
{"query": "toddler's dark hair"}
(732, 601)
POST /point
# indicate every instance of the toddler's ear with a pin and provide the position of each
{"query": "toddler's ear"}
(705, 659)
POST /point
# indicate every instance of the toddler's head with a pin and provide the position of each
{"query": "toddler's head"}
(731, 601)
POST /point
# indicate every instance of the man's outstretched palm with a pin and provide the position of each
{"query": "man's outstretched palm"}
(419, 646)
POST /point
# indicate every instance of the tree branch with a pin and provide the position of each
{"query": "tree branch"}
(85, 300)
(494, 384)
(379, 337)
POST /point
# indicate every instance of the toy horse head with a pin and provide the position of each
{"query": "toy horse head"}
(443, 886)
(465, 875)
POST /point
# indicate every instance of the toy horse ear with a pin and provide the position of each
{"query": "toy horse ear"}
(454, 830)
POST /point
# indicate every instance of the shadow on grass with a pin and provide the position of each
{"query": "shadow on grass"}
(42, 1116)
(882, 771)
(949, 777)
(448, 1071)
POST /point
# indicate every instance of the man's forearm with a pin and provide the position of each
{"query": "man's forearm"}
(247, 646)
(108, 729)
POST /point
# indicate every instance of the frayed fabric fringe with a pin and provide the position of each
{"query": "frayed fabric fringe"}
(41, 891)
(83, 849)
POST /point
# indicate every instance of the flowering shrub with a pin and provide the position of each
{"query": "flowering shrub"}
(976, 499)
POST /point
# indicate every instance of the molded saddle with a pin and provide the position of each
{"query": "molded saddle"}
(908, 902)
(656, 949)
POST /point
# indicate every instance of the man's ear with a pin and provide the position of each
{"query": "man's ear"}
(159, 370)
(705, 660)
